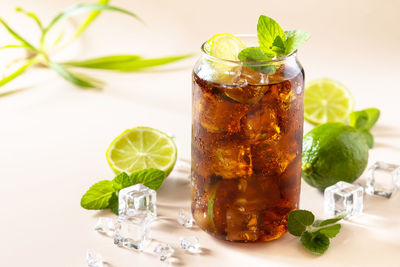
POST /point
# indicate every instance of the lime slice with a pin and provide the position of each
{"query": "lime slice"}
(225, 46)
(326, 100)
(140, 148)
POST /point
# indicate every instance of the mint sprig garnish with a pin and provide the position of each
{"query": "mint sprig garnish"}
(314, 235)
(274, 43)
(104, 194)
(363, 121)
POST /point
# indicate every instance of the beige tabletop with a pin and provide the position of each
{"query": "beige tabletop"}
(53, 136)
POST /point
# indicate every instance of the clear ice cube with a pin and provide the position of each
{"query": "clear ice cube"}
(93, 259)
(185, 218)
(163, 251)
(190, 243)
(137, 199)
(132, 232)
(343, 198)
(105, 225)
(383, 179)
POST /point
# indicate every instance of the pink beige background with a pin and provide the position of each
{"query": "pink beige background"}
(53, 136)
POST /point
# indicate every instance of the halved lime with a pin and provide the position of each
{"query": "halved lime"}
(140, 148)
(326, 100)
(225, 46)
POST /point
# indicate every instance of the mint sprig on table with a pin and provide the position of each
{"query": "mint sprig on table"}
(42, 53)
(104, 194)
(363, 121)
(274, 43)
(314, 235)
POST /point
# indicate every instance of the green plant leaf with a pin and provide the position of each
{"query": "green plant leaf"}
(369, 138)
(253, 54)
(32, 16)
(318, 223)
(210, 206)
(13, 46)
(330, 230)
(294, 39)
(71, 77)
(317, 243)
(79, 8)
(298, 221)
(120, 181)
(152, 178)
(373, 116)
(18, 72)
(267, 31)
(89, 19)
(113, 203)
(364, 120)
(124, 64)
(98, 196)
(17, 36)
(107, 62)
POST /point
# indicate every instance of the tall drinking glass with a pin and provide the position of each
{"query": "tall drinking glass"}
(247, 128)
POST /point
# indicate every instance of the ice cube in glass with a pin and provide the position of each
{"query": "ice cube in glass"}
(383, 179)
(343, 198)
(137, 199)
(132, 231)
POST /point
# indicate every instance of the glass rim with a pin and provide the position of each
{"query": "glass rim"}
(205, 53)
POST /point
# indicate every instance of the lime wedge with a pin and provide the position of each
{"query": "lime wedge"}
(326, 100)
(224, 46)
(140, 148)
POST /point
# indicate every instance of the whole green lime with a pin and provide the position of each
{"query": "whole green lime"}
(333, 152)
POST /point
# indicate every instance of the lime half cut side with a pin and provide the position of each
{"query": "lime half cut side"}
(326, 100)
(224, 46)
(141, 148)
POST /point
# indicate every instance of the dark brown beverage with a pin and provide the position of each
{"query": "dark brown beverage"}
(247, 133)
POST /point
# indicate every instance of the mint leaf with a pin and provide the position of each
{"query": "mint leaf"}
(253, 54)
(332, 220)
(98, 196)
(364, 120)
(278, 46)
(359, 120)
(120, 181)
(369, 138)
(299, 220)
(317, 243)
(267, 31)
(331, 230)
(256, 54)
(113, 203)
(294, 39)
(373, 116)
(152, 178)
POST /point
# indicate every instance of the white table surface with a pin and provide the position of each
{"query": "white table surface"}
(53, 136)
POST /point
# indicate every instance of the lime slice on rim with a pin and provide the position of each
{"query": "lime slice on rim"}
(224, 46)
(326, 100)
(140, 148)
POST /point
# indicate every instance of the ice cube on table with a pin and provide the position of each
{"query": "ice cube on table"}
(163, 251)
(185, 218)
(132, 231)
(343, 198)
(190, 243)
(93, 259)
(383, 179)
(137, 199)
(105, 225)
